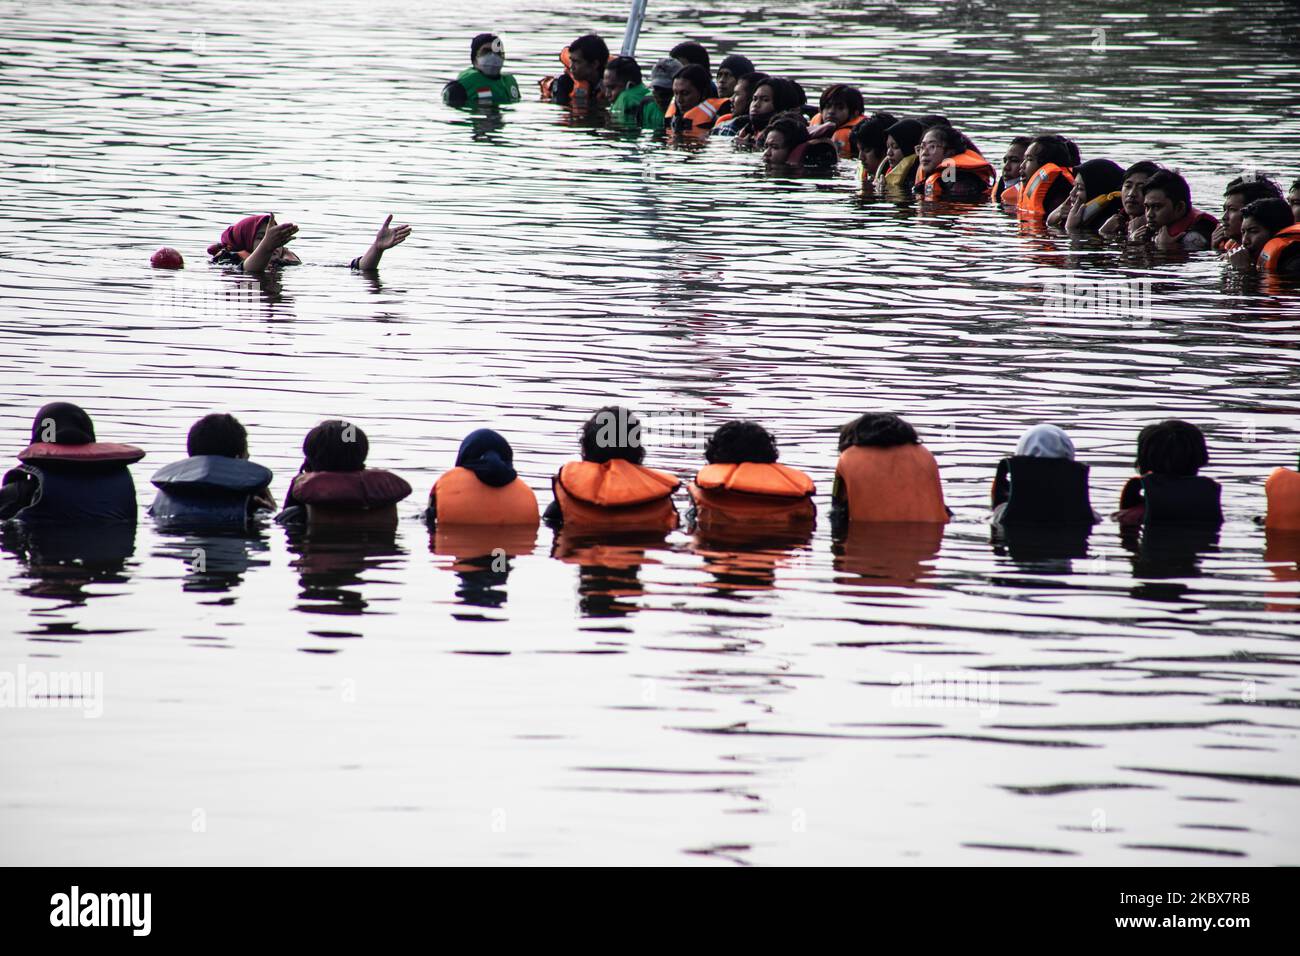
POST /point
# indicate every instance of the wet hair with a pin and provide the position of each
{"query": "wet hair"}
(841, 94)
(791, 125)
(72, 426)
(1171, 184)
(877, 430)
(335, 445)
(626, 69)
(217, 434)
(1055, 149)
(737, 442)
(1144, 167)
(690, 52)
(697, 76)
(599, 446)
(870, 133)
(1294, 185)
(786, 93)
(736, 64)
(592, 47)
(1273, 213)
(754, 80)
(1250, 189)
(950, 138)
(1172, 447)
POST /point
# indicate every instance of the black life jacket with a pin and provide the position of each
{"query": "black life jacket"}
(77, 483)
(1191, 498)
(207, 490)
(1044, 491)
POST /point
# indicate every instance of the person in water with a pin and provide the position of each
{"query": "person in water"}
(1131, 214)
(786, 143)
(743, 487)
(772, 96)
(1167, 487)
(483, 488)
(867, 143)
(1094, 198)
(738, 120)
(1045, 174)
(898, 171)
(216, 484)
(730, 70)
(1267, 223)
(690, 53)
(884, 473)
(842, 109)
(1282, 492)
(584, 68)
(66, 475)
(1007, 188)
(1239, 193)
(483, 84)
(692, 110)
(609, 489)
(257, 243)
(1042, 483)
(630, 101)
(334, 482)
(950, 168)
(1172, 222)
(1293, 197)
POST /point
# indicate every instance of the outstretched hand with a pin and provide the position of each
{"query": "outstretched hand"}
(278, 235)
(390, 235)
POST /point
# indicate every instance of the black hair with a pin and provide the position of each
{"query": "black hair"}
(737, 64)
(755, 80)
(72, 426)
(697, 76)
(1143, 166)
(790, 124)
(737, 442)
(1172, 447)
(613, 432)
(877, 430)
(1055, 149)
(1171, 184)
(952, 139)
(1273, 213)
(690, 52)
(592, 47)
(626, 69)
(844, 95)
(482, 40)
(786, 93)
(932, 119)
(335, 445)
(217, 434)
(1250, 188)
(870, 133)
(1021, 141)
(1073, 147)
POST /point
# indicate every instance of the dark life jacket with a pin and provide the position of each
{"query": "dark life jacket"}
(77, 483)
(1189, 498)
(1043, 491)
(207, 490)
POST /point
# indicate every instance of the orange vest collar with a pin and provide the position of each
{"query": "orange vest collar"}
(616, 484)
(756, 479)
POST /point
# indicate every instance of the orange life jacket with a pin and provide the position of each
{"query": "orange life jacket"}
(751, 494)
(891, 484)
(459, 497)
(1270, 257)
(615, 496)
(969, 161)
(1010, 195)
(843, 135)
(698, 118)
(1283, 491)
(1033, 194)
(581, 95)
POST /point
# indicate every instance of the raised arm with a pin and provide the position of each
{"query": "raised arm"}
(387, 237)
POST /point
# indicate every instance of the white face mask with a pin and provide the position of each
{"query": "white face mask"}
(489, 64)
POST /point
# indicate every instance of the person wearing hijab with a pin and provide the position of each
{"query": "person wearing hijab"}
(898, 170)
(483, 84)
(256, 243)
(730, 70)
(483, 488)
(1042, 483)
(1093, 199)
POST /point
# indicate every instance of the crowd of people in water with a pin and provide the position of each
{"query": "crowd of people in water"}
(884, 474)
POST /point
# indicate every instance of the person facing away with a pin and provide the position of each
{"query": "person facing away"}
(1172, 222)
(334, 483)
(579, 86)
(216, 484)
(1007, 188)
(1167, 487)
(609, 489)
(1131, 214)
(950, 167)
(743, 486)
(483, 488)
(1094, 198)
(1270, 239)
(483, 84)
(630, 101)
(884, 473)
(1239, 193)
(1042, 483)
(66, 475)
(257, 243)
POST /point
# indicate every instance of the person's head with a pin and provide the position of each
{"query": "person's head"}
(737, 442)
(1045, 441)
(691, 53)
(691, 87)
(841, 103)
(1166, 198)
(613, 432)
(730, 70)
(785, 132)
(1013, 157)
(1261, 220)
(217, 434)
(1172, 447)
(776, 94)
(1097, 177)
(1073, 148)
(621, 72)
(335, 445)
(1049, 148)
(1241, 192)
(937, 144)
(877, 430)
(487, 54)
(868, 139)
(1135, 179)
(62, 423)
(744, 92)
(587, 58)
(661, 81)
(489, 456)
(901, 140)
(1293, 197)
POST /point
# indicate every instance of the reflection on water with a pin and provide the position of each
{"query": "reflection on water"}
(928, 694)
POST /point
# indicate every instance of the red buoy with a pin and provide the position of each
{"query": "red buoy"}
(167, 258)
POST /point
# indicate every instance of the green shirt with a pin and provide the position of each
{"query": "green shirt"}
(482, 90)
(635, 106)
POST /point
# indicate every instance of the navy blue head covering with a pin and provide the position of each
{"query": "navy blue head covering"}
(489, 456)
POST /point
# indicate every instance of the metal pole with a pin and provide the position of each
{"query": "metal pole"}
(633, 30)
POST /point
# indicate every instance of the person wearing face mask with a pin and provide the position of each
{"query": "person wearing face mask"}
(483, 84)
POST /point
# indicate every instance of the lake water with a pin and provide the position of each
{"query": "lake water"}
(906, 697)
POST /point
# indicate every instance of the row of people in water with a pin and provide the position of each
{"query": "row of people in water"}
(884, 474)
(1040, 176)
